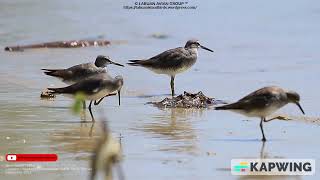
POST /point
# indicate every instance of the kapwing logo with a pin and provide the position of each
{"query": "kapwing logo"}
(273, 166)
(241, 167)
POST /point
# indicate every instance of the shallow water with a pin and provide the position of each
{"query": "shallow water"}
(256, 44)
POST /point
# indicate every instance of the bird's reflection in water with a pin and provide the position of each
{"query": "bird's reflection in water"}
(175, 126)
(266, 155)
(81, 138)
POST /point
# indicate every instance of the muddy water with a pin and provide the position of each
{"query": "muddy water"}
(256, 44)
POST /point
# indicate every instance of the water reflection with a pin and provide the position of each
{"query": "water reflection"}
(175, 125)
(265, 155)
(80, 138)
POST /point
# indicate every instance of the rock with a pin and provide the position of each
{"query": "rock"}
(188, 100)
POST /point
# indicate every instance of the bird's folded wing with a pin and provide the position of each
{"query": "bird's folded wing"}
(82, 70)
(252, 102)
(87, 87)
(169, 58)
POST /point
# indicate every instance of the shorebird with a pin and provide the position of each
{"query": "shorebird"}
(263, 102)
(79, 72)
(107, 155)
(94, 88)
(172, 61)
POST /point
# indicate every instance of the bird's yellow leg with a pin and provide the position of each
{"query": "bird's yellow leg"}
(280, 117)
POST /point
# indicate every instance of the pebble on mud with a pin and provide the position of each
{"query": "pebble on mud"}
(45, 94)
(188, 100)
(211, 153)
(159, 36)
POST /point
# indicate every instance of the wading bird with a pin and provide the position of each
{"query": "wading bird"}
(80, 72)
(262, 103)
(172, 61)
(94, 88)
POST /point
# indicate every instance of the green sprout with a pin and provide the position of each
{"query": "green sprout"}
(77, 105)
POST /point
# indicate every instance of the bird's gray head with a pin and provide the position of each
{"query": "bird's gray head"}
(103, 61)
(195, 44)
(294, 97)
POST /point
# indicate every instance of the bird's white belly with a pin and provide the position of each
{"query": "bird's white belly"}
(170, 71)
(260, 112)
(95, 96)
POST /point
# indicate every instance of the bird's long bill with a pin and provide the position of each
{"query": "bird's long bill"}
(205, 48)
(116, 64)
(119, 97)
(298, 104)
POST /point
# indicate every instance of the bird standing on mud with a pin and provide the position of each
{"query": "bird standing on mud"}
(93, 88)
(172, 61)
(263, 102)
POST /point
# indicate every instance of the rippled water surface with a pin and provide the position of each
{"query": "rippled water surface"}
(256, 44)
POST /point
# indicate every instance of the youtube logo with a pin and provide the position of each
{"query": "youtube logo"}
(11, 157)
(31, 157)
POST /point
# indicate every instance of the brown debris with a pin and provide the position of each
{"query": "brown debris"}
(188, 100)
(45, 94)
(60, 44)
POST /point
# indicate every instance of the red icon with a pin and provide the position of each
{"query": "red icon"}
(31, 157)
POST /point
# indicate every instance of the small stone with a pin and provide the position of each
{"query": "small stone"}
(159, 36)
(211, 153)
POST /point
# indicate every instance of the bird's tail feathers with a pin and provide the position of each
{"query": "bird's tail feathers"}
(135, 62)
(220, 108)
(52, 72)
(228, 107)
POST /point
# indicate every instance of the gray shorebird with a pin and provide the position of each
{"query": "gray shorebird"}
(79, 72)
(263, 102)
(94, 88)
(172, 61)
